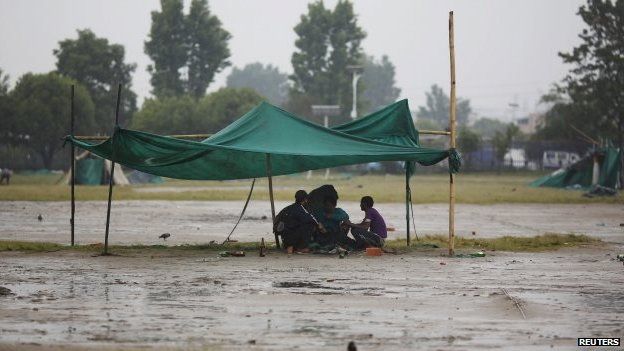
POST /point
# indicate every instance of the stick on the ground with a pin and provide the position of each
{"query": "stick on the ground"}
(515, 302)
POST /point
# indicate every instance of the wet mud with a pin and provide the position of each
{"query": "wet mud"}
(142, 222)
(198, 300)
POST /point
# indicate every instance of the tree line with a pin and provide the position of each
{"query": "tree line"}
(188, 48)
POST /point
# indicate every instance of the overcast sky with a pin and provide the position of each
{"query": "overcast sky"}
(506, 50)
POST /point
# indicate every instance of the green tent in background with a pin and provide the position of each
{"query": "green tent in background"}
(579, 174)
(90, 171)
(268, 134)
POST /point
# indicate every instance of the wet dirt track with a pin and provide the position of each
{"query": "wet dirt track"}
(201, 221)
(394, 302)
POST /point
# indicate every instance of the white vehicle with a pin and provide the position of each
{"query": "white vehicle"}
(515, 158)
(559, 159)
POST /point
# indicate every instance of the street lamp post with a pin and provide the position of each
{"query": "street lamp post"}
(357, 74)
(325, 111)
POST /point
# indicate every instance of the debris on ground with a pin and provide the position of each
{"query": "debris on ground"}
(232, 253)
(599, 190)
(478, 254)
(373, 251)
(5, 291)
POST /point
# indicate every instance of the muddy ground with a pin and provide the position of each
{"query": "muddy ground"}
(420, 300)
(195, 300)
(201, 221)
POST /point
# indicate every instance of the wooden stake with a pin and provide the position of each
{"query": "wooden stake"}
(268, 173)
(407, 201)
(72, 166)
(452, 126)
(112, 174)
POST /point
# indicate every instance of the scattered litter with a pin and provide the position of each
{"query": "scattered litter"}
(373, 251)
(5, 291)
(620, 257)
(251, 342)
(442, 263)
(601, 224)
(232, 253)
(351, 346)
(599, 190)
(621, 224)
(262, 248)
(478, 254)
(474, 233)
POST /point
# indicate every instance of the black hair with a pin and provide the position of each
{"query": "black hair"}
(330, 199)
(300, 195)
(368, 201)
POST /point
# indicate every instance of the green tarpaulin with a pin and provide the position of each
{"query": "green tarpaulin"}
(393, 124)
(241, 150)
(579, 175)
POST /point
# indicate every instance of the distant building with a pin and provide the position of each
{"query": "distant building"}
(529, 124)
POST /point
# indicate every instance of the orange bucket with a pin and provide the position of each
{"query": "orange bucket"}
(373, 251)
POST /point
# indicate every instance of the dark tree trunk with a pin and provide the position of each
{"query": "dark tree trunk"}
(47, 157)
(621, 146)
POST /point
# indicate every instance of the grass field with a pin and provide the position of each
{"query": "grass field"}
(471, 188)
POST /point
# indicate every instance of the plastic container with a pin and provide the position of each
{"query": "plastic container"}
(373, 251)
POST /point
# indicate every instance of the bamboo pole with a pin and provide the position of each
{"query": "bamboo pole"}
(407, 201)
(177, 136)
(72, 167)
(268, 173)
(452, 126)
(112, 175)
(434, 132)
(204, 136)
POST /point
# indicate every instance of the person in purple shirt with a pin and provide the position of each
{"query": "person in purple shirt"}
(372, 231)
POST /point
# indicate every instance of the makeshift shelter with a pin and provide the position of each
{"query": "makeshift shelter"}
(600, 166)
(269, 141)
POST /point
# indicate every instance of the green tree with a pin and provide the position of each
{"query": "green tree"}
(595, 84)
(187, 115)
(467, 142)
(208, 50)
(438, 107)
(378, 83)
(42, 110)
(187, 51)
(169, 115)
(4, 83)
(503, 141)
(327, 42)
(226, 105)
(487, 127)
(6, 120)
(267, 81)
(99, 66)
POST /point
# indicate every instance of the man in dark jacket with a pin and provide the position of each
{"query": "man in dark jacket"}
(296, 224)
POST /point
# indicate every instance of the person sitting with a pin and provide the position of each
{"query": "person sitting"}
(372, 231)
(333, 218)
(296, 224)
(5, 174)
